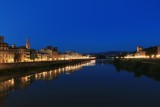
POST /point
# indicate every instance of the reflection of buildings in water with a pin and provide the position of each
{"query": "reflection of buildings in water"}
(91, 63)
(3, 97)
(47, 75)
(71, 68)
(23, 82)
(5, 87)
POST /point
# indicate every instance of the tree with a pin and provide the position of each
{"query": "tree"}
(151, 51)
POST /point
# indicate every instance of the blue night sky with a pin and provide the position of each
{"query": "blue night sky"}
(81, 25)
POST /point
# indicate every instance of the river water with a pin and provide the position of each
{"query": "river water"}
(80, 85)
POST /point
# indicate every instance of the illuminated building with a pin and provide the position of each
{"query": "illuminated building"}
(158, 52)
(13, 54)
(139, 54)
(52, 52)
(151, 52)
(68, 55)
(6, 55)
(39, 56)
(139, 49)
(22, 53)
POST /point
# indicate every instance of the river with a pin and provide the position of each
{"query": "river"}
(80, 85)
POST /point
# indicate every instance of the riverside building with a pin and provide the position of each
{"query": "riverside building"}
(14, 54)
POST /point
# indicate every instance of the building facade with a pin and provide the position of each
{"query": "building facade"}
(52, 52)
(23, 54)
(13, 54)
(6, 55)
(69, 55)
(39, 56)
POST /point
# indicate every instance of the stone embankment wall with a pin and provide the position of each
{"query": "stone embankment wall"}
(4, 66)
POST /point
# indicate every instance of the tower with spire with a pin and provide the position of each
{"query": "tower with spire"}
(27, 44)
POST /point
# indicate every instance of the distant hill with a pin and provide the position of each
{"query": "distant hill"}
(103, 55)
(109, 53)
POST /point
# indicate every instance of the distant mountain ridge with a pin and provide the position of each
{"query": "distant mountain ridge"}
(109, 53)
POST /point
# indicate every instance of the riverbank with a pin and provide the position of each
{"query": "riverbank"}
(138, 67)
(29, 65)
(16, 73)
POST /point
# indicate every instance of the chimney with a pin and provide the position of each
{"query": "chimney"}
(1, 39)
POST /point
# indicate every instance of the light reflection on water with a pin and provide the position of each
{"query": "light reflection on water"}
(22, 82)
(60, 87)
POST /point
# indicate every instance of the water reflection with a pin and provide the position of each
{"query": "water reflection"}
(21, 82)
(154, 74)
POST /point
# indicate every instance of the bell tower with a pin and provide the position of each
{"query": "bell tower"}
(27, 43)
